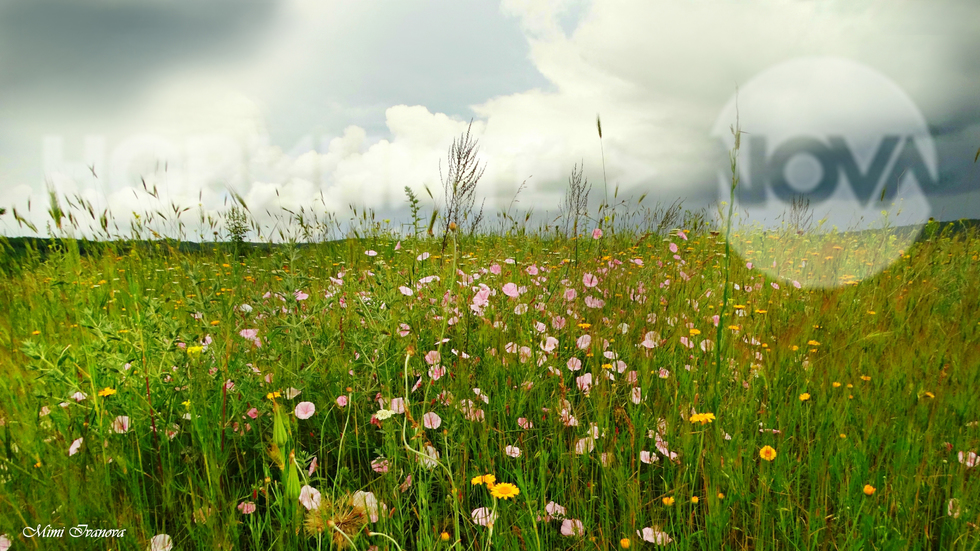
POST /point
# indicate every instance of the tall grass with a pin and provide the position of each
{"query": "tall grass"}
(210, 401)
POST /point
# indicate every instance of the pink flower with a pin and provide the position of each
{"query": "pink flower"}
(570, 294)
(572, 527)
(555, 510)
(121, 424)
(654, 535)
(970, 459)
(796, 284)
(312, 466)
(584, 382)
(79, 396)
(590, 280)
(422, 257)
(397, 405)
(673, 248)
(574, 364)
(648, 458)
(5, 542)
(596, 233)
(398, 245)
(436, 372)
(405, 291)
(549, 344)
(584, 445)
(524, 423)
(432, 357)
(75, 446)
(253, 413)
(510, 289)
(495, 269)
(532, 270)
(484, 516)
(635, 395)
(371, 253)
(593, 302)
(512, 451)
(380, 465)
(749, 266)
(309, 497)
(431, 420)
(583, 342)
(367, 501)
(246, 507)
(304, 410)
(682, 235)
(341, 401)
(300, 295)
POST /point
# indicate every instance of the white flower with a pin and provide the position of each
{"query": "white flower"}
(512, 451)
(161, 542)
(383, 414)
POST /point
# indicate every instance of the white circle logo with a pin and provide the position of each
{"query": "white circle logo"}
(832, 162)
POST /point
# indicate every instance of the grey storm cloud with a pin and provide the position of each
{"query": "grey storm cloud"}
(107, 49)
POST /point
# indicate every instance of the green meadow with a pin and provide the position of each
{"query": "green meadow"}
(629, 381)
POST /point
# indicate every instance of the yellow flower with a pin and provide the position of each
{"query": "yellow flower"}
(842, 435)
(107, 392)
(694, 500)
(668, 501)
(35, 333)
(584, 325)
(703, 418)
(869, 489)
(865, 378)
(477, 480)
(930, 395)
(487, 479)
(624, 543)
(721, 495)
(767, 453)
(794, 348)
(272, 395)
(695, 332)
(215, 322)
(186, 404)
(607, 366)
(813, 343)
(804, 397)
(195, 349)
(836, 384)
(504, 490)
(444, 536)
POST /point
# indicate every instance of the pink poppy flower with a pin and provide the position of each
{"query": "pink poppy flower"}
(253, 413)
(596, 233)
(510, 289)
(405, 291)
(583, 342)
(584, 445)
(549, 344)
(570, 294)
(970, 459)
(371, 253)
(380, 465)
(682, 235)
(673, 248)
(120, 424)
(796, 284)
(590, 280)
(432, 357)
(304, 410)
(397, 405)
(484, 516)
(648, 458)
(512, 451)
(246, 507)
(635, 395)
(593, 302)
(300, 295)
(584, 382)
(79, 396)
(654, 535)
(524, 423)
(495, 269)
(75, 446)
(532, 270)
(312, 466)
(431, 420)
(309, 497)
(572, 527)
(368, 502)
(422, 257)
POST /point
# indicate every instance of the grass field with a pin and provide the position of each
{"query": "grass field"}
(617, 391)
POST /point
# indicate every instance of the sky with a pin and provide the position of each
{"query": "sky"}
(320, 105)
